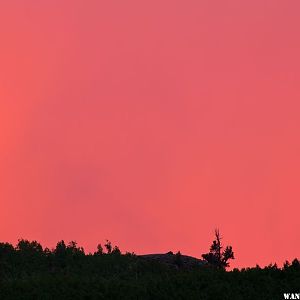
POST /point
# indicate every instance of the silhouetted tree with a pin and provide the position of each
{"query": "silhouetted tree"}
(6, 249)
(216, 257)
(295, 264)
(108, 246)
(60, 249)
(72, 249)
(28, 247)
(286, 265)
(116, 250)
(99, 250)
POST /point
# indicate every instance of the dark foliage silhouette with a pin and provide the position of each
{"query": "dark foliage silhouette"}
(108, 246)
(99, 250)
(218, 257)
(27, 271)
(178, 259)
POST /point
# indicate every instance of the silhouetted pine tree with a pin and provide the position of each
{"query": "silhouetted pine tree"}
(216, 257)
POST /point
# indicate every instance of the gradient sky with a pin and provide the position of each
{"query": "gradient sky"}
(151, 123)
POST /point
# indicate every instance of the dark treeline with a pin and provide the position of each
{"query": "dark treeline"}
(29, 271)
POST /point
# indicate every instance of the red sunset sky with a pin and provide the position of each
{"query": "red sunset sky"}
(151, 123)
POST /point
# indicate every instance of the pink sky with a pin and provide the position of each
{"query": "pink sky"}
(151, 123)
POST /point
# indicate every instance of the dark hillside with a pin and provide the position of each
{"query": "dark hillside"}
(175, 260)
(28, 271)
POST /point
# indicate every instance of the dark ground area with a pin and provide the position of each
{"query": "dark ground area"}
(28, 271)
